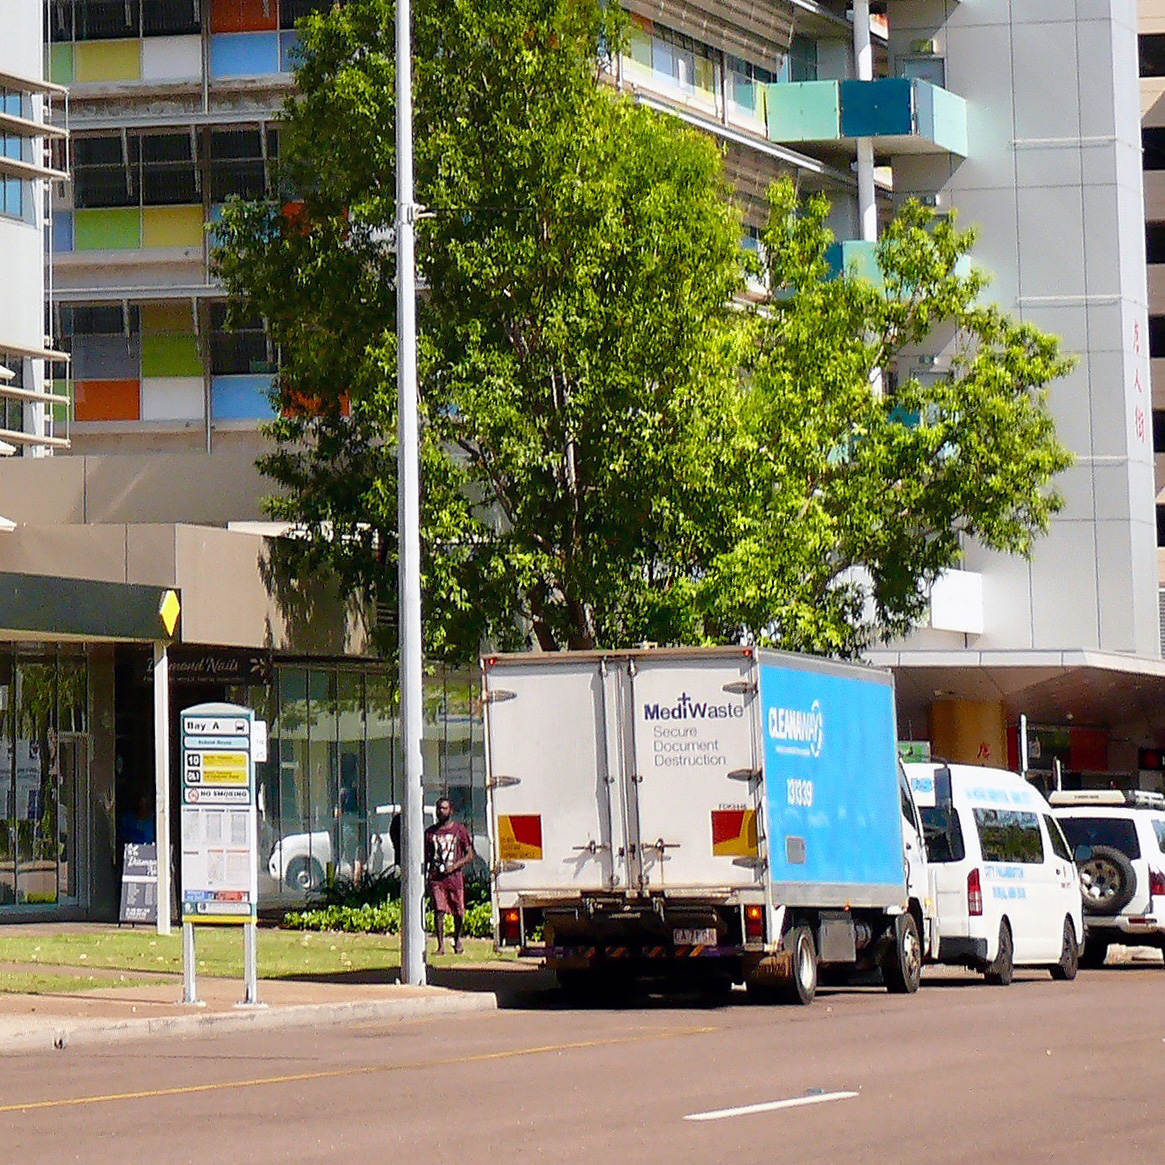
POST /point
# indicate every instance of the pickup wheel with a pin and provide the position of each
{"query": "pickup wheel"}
(801, 986)
(999, 972)
(902, 966)
(1069, 954)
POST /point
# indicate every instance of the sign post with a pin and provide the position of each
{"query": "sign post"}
(220, 866)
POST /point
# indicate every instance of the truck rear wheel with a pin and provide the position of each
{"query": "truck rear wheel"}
(801, 986)
(902, 967)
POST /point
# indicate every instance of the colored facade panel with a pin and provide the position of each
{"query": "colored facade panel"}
(857, 256)
(803, 111)
(172, 398)
(166, 317)
(107, 60)
(62, 231)
(106, 357)
(107, 400)
(241, 398)
(171, 58)
(172, 226)
(942, 117)
(243, 15)
(248, 54)
(877, 108)
(62, 413)
(111, 229)
(168, 354)
(60, 64)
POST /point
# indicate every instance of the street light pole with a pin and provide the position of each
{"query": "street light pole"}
(409, 521)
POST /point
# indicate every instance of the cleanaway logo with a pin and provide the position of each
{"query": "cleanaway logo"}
(796, 731)
(688, 709)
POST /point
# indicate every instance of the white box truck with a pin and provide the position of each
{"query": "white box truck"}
(710, 815)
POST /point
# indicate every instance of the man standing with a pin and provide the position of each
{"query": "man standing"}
(448, 850)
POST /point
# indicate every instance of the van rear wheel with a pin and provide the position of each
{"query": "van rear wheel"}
(1069, 954)
(999, 973)
(902, 966)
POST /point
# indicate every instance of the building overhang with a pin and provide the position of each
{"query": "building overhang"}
(49, 608)
(1089, 688)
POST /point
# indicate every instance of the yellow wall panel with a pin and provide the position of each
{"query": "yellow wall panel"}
(107, 60)
(172, 226)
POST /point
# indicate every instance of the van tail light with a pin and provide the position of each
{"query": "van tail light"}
(1157, 883)
(754, 923)
(974, 893)
(510, 927)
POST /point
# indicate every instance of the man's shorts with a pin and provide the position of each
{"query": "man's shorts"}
(448, 893)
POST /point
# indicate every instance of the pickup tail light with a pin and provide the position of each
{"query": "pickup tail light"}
(1157, 883)
(974, 893)
(510, 927)
(754, 923)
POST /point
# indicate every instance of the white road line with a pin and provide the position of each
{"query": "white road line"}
(796, 1102)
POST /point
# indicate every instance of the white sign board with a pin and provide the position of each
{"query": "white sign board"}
(220, 864)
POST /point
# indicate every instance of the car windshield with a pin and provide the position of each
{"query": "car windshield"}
(942, 833)
(1159, 830)
(1118, 832)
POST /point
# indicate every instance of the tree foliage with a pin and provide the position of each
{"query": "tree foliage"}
(613, 452)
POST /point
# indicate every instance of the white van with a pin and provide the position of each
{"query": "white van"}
(1004, 883)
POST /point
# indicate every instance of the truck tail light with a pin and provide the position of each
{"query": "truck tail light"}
(510, 927)
(1157, 883)
(974, 893)
(754, 922)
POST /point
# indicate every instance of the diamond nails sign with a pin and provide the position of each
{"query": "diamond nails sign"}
(220, 870)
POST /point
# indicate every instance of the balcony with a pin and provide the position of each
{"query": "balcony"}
(902, 115)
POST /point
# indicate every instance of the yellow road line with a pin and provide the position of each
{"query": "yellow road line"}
(336, 1073)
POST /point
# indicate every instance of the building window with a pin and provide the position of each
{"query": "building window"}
(1159, 430)
(170, 17)
(1152, 54)
(240, 351)
(1155, 242)
(800, 63)
(239, 163)
(1161, 542)
(12, 411)
(146, 169)
(12, 146)
(105, 19)
(1156, 336)
(291, 12)
(675, 59)
(1153, 148)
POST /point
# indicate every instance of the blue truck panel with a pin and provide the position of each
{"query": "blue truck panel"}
(831, 780)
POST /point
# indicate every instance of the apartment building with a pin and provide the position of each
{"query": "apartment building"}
(984, 107)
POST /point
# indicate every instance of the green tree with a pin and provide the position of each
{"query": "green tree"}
(851, 500)
(612, 452)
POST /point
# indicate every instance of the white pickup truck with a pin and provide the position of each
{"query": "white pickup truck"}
(710, 815)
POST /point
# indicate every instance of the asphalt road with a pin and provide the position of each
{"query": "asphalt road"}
(1035, 1072)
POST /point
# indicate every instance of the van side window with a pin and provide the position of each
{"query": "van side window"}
(943, 834)
(1059, 845)
(1009, 835)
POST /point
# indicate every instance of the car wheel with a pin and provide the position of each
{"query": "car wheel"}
(1107, 881)
(1094, 953)
(801, 987)
(304, 874)
(999, 973)
(902, 969)
(1069, 954)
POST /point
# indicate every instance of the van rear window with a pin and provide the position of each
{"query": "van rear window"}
(943, 834)
(1009, 835)
(1117, 832)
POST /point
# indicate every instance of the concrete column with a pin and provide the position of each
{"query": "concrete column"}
(969, 732)
(162, 780)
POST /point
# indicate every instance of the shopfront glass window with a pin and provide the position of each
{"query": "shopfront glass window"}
(351, 799)
(383, 767)
(35, 771)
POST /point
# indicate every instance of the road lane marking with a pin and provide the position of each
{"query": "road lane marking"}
(367, 1070)
(720, 1114)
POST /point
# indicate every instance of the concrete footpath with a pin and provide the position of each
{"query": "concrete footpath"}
(135, 1011)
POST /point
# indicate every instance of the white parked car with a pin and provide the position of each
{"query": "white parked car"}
(1004, 881)
(1123, 874)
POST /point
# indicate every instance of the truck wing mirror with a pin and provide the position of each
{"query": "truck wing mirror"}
(1082, 853)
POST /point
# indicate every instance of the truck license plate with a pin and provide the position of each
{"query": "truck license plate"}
(698, 937)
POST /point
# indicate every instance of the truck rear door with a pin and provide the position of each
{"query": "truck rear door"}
(550, 757)
(693, 781)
